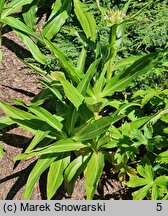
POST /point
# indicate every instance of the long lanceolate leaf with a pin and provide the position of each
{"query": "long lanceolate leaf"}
(39, 136)
(75, 168)
(29, 121)
(82, 59)
(5, 121)
(55, 174)
(93, 173)
(16, 113)
(66, 63)
(29, 14)
(84, 84)
(57, 20)
(123, 79)
(16, 24)
(42, 164)
(70, 91)
(13, 6)
(86, 19)
(53, 89)
(2, 2)
(147, 119)
(96, 128)
(55, 8)
(33, 48)
(46, 116)
(63, 145)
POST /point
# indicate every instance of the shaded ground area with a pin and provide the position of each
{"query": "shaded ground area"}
(16, 81)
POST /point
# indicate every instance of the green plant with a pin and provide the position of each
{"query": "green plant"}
(7, 9)
(155, 187)
(151, 172)
(147, 33)
(71, 134)
(26, 25)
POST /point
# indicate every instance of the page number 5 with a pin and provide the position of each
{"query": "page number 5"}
(159, 207)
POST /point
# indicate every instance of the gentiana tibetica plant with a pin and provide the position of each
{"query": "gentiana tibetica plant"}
(82, 117)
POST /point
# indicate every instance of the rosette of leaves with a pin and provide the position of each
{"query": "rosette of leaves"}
(71, 123)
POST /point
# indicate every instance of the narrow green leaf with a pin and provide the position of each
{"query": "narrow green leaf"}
(82, 59)
(5, 121)
(39, 136)
(2, 2)
(54, 26)
(95, 128)
(16, 24)
(124, 107)
(73, 171)
(33, 48)
(124, 78)
(126, 62)
(98, 87)
(109, 145)
(140, 122)
(86, 19)
(55, 174)
(58, 19)
(63, 145)
(16, 113)
(54, 90)
(42, 164)
(84, 84)
(46, 116)
(93, 173)
(65, 62)
(40, 98)
(29, 14)
(32, 125)
(70, 91)
(13, 6)
(1, 151)
(71, 118)
(55, 8)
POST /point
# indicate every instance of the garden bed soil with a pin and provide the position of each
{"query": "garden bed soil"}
(17, 81)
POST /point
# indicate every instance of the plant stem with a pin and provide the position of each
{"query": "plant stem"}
(98, 4)
(113, 50)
